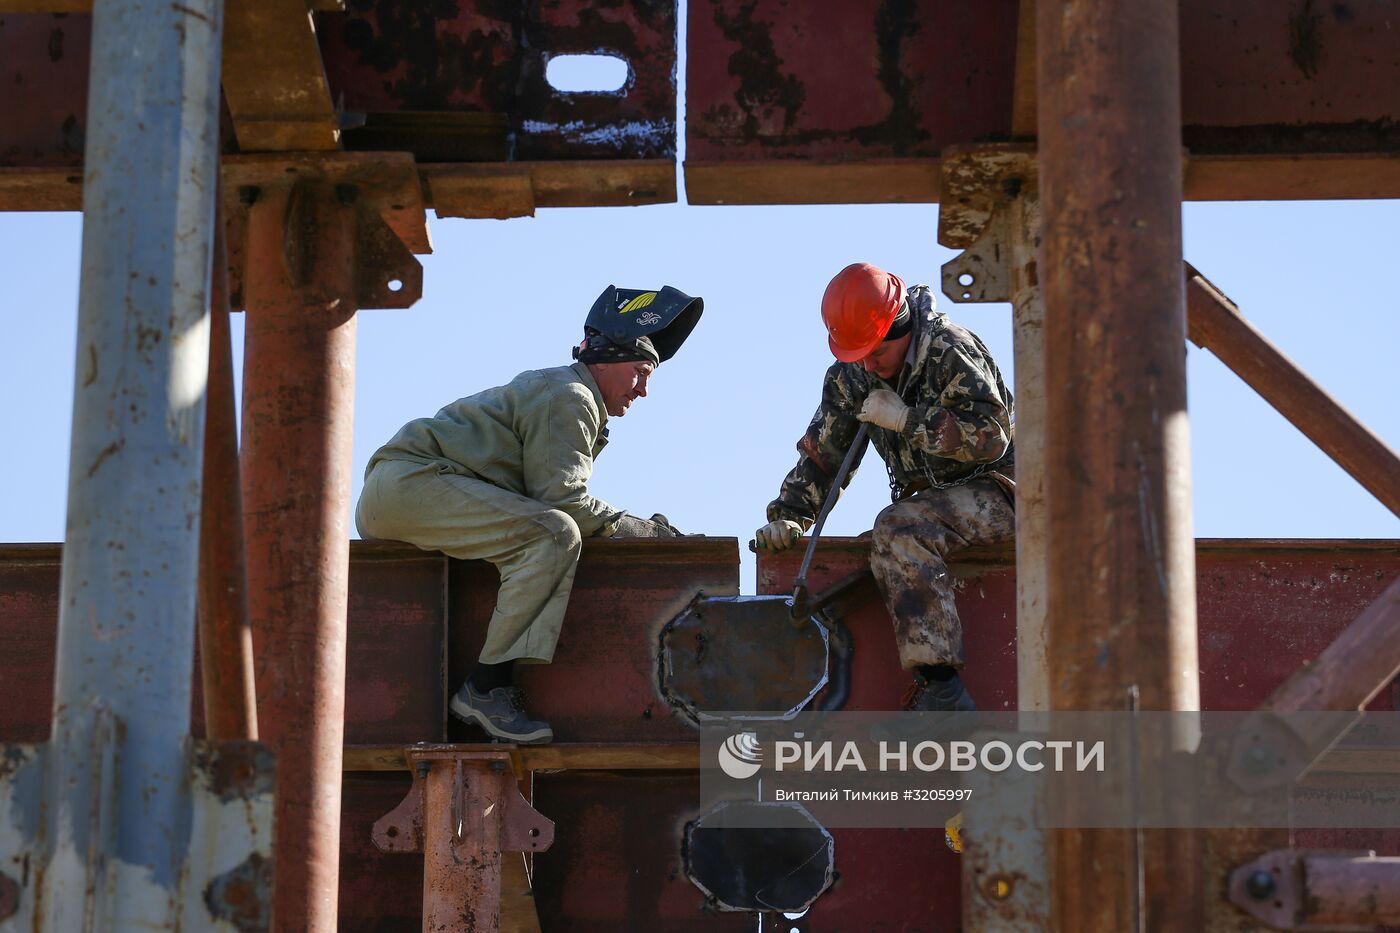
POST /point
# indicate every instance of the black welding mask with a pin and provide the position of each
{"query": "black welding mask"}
(634, 318)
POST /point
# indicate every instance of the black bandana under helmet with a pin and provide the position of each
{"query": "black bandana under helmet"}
(599, 349)
(902, 324)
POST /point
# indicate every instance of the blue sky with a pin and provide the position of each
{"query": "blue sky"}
(710, 444)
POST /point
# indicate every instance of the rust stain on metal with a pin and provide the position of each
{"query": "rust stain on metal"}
(1305, 39)
(12, 758)
(9, 896)
(238, 769)
(763, 86)
(242, 896)
(110, 450)
(465, 81)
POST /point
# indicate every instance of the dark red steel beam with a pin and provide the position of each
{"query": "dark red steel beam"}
(1265, 607)
(225, 636)
(1216, 324)
(1121, 620)
(299, 370)
(466, 81)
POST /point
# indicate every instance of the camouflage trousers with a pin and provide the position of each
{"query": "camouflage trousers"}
(909, 548)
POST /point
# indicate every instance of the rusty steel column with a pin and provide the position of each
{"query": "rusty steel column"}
(225, 637)
(461, 849)
(298, 397)
(464, 809)
(1032, 545)
(1121, 588)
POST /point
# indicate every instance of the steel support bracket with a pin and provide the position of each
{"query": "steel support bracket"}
(1273, 749)
(463, 810)
(1307, 890)
(522, 827)
(391, 226)
(980, 183)
(386, 274)
(226, 877)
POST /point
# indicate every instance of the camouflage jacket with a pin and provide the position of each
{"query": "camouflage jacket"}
(959, 420)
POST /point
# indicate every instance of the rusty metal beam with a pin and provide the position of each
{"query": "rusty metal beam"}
(1216, 324)
(1360, 890)
(1285, 177)
(515, 189)
(483, 189)
(273, 79)
(1302, 890)
(1252, 177)
(776, 181)
(567, 756)
(1121, 620)
(225, 637)
(299, 370)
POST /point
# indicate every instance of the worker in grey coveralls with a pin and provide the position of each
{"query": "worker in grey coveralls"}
(502, 476)
(940, 417)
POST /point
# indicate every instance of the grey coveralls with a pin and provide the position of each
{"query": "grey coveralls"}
(501, 476)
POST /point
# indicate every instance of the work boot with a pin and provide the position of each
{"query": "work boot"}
(501, 712)
(934, 696)
(926, 695)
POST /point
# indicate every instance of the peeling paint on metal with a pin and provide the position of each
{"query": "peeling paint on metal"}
(620, 137)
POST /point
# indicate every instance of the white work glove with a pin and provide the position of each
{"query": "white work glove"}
(886, 409)
(778, 536)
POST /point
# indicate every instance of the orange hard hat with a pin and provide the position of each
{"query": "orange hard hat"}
(858, 308)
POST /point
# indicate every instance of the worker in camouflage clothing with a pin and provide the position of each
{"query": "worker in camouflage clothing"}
(502, 476)
(940, 417)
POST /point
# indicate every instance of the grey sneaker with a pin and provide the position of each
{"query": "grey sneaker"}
(501, 713)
